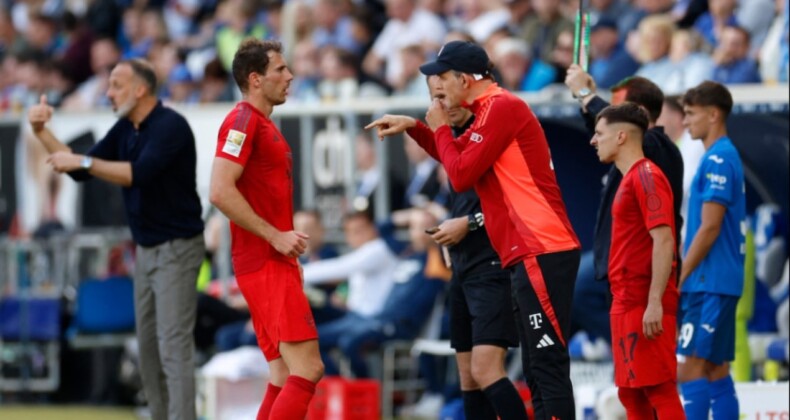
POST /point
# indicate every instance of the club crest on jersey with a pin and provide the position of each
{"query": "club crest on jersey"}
(476, 137)
(233, 142)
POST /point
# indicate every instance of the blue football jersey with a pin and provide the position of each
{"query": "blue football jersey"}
(719, 179)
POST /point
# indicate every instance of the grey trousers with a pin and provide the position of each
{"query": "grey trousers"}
(165, 302)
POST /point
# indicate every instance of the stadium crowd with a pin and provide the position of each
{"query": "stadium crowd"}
(342, 49)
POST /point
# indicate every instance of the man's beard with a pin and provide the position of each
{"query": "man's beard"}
(123, 110)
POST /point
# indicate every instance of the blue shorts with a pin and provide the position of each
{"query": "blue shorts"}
(707, 328)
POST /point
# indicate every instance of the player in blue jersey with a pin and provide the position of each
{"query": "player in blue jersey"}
(711, 279)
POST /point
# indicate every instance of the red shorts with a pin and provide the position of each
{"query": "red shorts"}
(639, 362)
(279, 309)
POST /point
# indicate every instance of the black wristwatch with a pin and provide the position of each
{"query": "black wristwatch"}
(475, 221)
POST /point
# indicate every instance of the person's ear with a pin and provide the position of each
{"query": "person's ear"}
(254, 80)
(713, 114)
(622, 136)
(140, 90)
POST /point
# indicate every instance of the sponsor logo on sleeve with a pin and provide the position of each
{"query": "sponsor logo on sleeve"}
(234, 142)
(717, 182)
(716, 159)
(476, 137)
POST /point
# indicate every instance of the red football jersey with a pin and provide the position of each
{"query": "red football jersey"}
(504, 155)
(643, 202)
(250, 139)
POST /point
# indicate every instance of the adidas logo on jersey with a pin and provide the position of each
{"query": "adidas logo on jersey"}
(545, 341)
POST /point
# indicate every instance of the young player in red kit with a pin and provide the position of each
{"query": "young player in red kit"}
(642, 269)
(251, 184)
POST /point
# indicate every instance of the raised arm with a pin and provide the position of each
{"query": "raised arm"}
(39, 115)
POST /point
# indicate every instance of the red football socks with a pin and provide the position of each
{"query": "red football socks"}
(293, 400)
(272, 391)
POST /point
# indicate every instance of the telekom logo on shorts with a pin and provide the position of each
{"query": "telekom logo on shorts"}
(535, 320)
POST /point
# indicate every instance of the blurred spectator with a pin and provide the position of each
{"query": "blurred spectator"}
(11, 91)
(296, 20)
(424, 184)
(334, 27)
(774, 51)
(30, 78)
(141, 29)
(368, 177)
(57, 83)
(362, 30)
(91, 93)
(305, 68)
(407, 306)
(103, 17)
(273, 18)
(411, 82)
(408, 25)
(215, 85)
(610, 62)
(731, 56)
(691, 150)
(338, 75)
(164, 57)
(23, 12)
(222, 324)
(181, 88)
(75, 60)
(689, 66)
(10, 40)
(519, 10)
(562, 54)
(655, 40)
(310, 223)
(542, 28)
(752, 15)
(481, 18)
(367, 267)
(236, 20)
(517, 69)
(43, 33)
(179, 17)
(368, 173)
(721, 13)
(642, 9)
(671, 118)
(610, 11)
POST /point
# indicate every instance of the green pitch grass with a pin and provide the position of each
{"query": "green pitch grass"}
(27, 412)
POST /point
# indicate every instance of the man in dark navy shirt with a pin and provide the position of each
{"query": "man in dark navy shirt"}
(150, 152)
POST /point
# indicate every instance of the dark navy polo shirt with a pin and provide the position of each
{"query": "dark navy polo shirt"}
(162, 203)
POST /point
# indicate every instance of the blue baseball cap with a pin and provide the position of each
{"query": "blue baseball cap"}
(463, 56)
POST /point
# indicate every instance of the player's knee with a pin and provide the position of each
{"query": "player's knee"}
(313, 370)
(485, 373)
(466, 379)
(692, 368)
